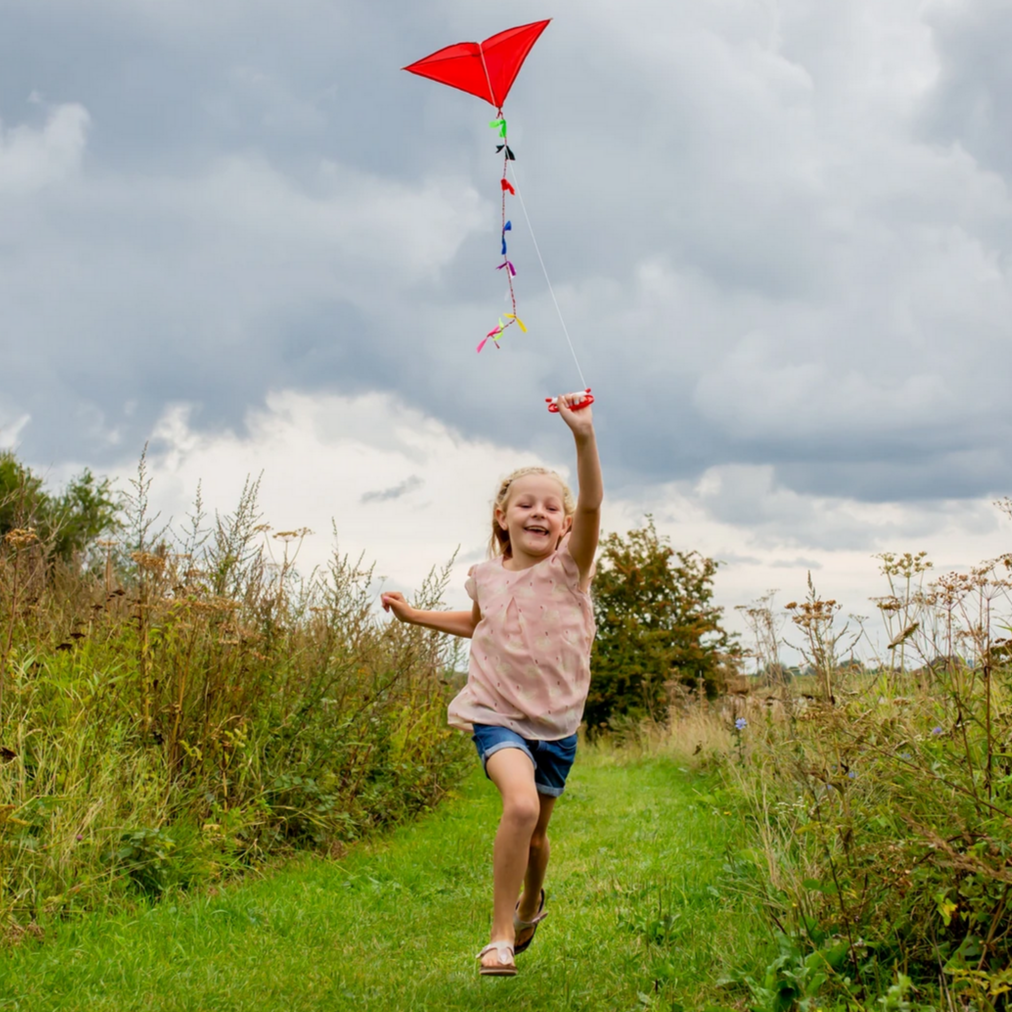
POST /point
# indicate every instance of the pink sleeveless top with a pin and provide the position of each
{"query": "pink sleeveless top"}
(530, 653)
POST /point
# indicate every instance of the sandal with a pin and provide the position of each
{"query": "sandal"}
(506, 966)
(519, 925)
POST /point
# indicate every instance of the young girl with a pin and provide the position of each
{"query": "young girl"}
(531, 629)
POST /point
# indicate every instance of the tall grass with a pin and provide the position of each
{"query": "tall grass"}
(184, 704)
(878, 794)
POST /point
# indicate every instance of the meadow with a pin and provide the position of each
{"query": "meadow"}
(225, 783)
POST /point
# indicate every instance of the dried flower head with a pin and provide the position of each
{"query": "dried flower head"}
(21, 537)
(148, 562)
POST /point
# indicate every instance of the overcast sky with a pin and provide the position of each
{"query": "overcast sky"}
(779, 232)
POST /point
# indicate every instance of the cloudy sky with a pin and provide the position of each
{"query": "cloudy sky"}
(779, 231)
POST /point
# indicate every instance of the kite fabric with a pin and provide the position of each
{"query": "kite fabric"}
(487, 70)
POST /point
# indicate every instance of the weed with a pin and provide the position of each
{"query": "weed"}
(180, 705)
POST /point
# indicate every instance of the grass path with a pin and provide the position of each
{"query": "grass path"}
(638, 919)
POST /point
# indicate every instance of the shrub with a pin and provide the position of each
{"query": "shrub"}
(67, 524)
(881, 811)
(192, 706)
(656, 623)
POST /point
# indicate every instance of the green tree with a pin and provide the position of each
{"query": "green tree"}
(68, 523)
(656, 622)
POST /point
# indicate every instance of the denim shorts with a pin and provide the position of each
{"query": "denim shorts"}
(552, 759)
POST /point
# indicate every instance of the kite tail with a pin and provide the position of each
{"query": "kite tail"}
(506, 187)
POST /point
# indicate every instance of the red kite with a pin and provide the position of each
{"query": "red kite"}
(486, 69)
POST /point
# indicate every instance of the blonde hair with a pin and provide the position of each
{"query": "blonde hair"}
(499, 543)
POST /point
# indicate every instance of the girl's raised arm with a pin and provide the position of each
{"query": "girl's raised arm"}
(587, 518)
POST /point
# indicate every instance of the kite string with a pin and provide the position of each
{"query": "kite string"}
(548, 281)
(496, 333)
(530, 228)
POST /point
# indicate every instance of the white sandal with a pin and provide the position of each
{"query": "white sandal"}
(504, 953)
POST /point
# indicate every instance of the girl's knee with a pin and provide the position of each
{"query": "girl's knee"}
(539, 840)
(521, 810)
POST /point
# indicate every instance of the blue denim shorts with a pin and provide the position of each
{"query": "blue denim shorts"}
(552, 759)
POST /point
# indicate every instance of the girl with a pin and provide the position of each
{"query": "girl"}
(531, 628)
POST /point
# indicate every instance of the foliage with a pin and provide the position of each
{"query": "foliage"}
(881, 806)
(68, 524)
(196, 705)
(656, 623)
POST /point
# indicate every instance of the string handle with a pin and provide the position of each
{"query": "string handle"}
(588, 399)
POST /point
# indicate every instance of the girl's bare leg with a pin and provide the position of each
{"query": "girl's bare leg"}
(512, 771)
(537, 864)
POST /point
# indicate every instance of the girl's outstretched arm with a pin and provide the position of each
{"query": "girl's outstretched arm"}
(457, 623)
(587, 518)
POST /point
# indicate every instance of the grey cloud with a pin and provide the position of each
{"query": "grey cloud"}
(735, 559)
(760, 259)
(778, 516)
(969, 101)
(395, 492)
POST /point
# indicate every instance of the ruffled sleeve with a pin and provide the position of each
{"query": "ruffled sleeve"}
(470, 586)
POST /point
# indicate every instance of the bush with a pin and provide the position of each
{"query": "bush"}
(191, 707)
(68, 524)
(881, 809)
(656, 623)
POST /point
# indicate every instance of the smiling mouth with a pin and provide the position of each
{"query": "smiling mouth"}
(536, 530)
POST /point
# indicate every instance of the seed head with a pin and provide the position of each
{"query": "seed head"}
(21, 537)
(149, 562)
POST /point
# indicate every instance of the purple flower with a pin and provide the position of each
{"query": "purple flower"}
(740, 724)
(851, 774)
(936, 731)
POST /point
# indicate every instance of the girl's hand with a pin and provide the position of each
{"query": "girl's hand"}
(582, 421)
(394, 601)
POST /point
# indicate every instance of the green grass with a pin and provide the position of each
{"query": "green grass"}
(640, 917)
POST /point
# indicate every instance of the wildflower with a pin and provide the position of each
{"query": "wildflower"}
(740, 724)
(148, 561)
(906, 755)
(21, 537)
(851, 774)
(937, 730)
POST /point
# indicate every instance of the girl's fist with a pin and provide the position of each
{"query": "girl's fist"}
(394, 601)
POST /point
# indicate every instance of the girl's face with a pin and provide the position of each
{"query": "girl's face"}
(535, 515)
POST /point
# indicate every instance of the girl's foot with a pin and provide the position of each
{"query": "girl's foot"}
(525, 922)
(497, 960)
